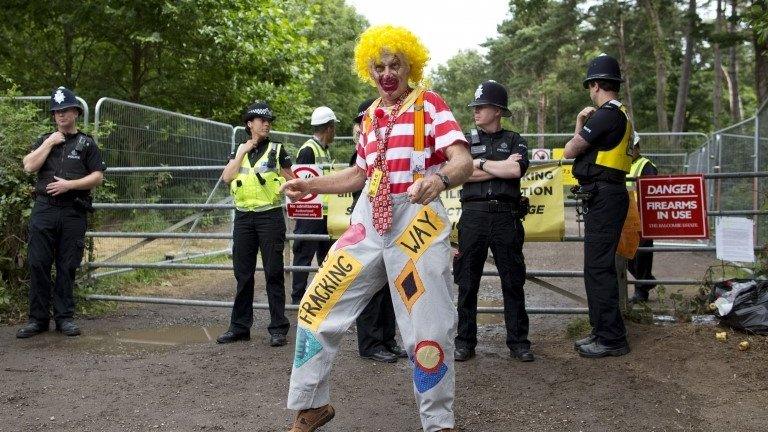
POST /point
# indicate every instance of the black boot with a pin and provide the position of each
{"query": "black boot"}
(30, 329)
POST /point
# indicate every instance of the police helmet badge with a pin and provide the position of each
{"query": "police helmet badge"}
(59, 95)
(479, 91)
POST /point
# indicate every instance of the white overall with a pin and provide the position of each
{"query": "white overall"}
(414, 258)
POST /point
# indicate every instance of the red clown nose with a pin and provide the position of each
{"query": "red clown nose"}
(379, 112)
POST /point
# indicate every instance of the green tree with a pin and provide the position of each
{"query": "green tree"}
(334, 83)
(19, 125)
(457, 80)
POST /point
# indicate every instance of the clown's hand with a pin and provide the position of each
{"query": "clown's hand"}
(425, 190)
(295, 189)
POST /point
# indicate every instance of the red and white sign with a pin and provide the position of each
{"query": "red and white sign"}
(673, 206)
(311, 206)
(541, 154)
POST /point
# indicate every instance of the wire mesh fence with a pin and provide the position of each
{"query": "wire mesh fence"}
(164, 170)
(138, 137)
(341, 149)
(669, 151)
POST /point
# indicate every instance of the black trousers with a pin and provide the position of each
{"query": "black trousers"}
(504, 234)
(56, 234)
(376, 324)
(641, 266)
(305, 250)
(606, 212)
(254, 232)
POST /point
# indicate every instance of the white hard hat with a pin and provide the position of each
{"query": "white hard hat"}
(322, 115)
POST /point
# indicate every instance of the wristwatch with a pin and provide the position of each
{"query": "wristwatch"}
(482, 162)
(444, 178)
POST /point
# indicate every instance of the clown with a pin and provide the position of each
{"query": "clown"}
(410, 150)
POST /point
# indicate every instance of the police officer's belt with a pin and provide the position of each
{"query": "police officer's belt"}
(58, 202)
(491, 206)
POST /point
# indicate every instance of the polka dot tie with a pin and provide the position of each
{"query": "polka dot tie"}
(382, 201)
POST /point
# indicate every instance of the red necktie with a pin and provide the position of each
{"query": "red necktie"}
(382, 201)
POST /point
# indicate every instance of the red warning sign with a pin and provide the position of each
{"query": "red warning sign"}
(311, 206)
(673, 206)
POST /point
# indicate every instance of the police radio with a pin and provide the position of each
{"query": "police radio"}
(476, 148)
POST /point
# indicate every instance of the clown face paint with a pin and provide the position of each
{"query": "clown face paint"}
(391, 75)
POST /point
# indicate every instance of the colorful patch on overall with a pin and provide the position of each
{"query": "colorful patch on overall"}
(429, 365)
(307, 346)
(409, 285)
(339, 270)
(420, 233)
(353, 235)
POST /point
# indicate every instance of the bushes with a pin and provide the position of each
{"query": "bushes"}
(19, 125)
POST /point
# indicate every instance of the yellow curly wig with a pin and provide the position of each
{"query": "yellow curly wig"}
(397, 40)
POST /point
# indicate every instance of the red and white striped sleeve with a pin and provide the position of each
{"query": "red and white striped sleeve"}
(445, 128)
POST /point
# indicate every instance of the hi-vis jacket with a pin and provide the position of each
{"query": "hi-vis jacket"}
(257, 187)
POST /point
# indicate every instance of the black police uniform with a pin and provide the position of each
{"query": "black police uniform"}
(304, 250)
(608, 129)
(253, 232)
(57, 226)
(491, 217)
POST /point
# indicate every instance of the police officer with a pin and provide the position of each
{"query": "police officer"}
(601, 147)
(491, 216)
(254, 173)
(376, 324)
(641, 266)
(314, 151)
(68, 165)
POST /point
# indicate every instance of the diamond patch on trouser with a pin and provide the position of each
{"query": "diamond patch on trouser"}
(307, 346)
(409, 285)
(429, 365)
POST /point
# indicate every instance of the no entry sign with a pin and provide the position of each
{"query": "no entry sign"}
(673, 206)
(311, 206)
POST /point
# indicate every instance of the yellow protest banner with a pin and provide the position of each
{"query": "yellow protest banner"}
(543, 185)
(568, 178)
(339, 210)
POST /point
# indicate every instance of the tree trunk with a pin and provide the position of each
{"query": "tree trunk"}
(68, 60)
(733, 68)
(761, 69)
(625, 67)
(526, 112)
(678, 122)
(717, 90)
(660, 54)
(136, 73)
(541, 115)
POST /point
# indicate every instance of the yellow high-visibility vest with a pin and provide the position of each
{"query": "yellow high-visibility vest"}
(636, 170)
(619, 157)
(257, 187)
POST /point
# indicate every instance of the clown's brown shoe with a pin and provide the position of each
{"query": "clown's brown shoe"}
(309, 420)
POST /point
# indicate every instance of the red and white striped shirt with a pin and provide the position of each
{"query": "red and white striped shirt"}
(440, 129)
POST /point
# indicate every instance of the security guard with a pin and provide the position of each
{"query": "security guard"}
(601, 147)
(641, 266)
(314, 151)
(68, 165)
(254, 177)
(491, 216)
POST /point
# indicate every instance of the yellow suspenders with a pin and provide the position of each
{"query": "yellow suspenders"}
(418, 125)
